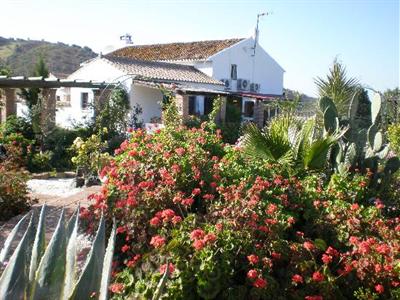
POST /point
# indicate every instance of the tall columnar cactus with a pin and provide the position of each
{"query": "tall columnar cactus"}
(363, 147)
(35, 271)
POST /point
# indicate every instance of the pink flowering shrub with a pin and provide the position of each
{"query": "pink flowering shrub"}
(235, 228)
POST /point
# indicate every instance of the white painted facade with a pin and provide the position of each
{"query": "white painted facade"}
(76, 112)
(258, 68)
(255, 66)
(149, 100)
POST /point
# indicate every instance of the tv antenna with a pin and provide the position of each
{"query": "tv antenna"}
(256, 33)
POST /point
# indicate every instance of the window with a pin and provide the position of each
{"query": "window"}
(84, 100)
(234, 72)
(272, 113)
(248, 110)
(192, 105)
(208, 105)
(58, 98)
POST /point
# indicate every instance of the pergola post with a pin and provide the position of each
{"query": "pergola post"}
(259, 113)
(222, 111)
(182, 102)
(9, 105)
(48, 114)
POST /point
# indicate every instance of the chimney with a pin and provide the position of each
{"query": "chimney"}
(126, 39)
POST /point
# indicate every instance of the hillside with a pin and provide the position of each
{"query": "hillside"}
(21, 55)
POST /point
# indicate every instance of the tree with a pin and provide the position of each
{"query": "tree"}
(31, 95)
(337, 87)
(362, 118)
(392, 101)
(113, 115)
(34, 100)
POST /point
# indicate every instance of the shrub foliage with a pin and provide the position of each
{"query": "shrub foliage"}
(233, 227)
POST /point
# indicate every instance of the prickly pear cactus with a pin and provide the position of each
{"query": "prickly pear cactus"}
(363, 146)
(376, 104)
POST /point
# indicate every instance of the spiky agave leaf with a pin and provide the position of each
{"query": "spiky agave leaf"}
(107, 264)
(89, 281)
(10, 238)
(39, 244)
(70, 259)
(15, 277)
(49, 277)
(71, 225)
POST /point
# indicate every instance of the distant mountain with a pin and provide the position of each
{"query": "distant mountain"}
(290, 94)
(307, 105)
(21, 55)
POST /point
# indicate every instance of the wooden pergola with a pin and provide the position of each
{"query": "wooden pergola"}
(48, 88)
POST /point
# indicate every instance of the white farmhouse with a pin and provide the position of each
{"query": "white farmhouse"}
(238, 69)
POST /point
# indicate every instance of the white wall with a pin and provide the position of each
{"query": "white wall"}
(74, 114)
(206, 67)
(261, 68)
(97, 69)
(149, 100)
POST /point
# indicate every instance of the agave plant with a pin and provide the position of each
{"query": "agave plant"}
(35, 271)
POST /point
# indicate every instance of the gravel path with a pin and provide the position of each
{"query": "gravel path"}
(56, 193)
(54, 187)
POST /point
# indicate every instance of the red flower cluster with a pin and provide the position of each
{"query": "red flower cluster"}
(253, 259)
(171, 268)
(117, 288)
(164, 217)
(273, 224)
(201, 239)
(157, 241)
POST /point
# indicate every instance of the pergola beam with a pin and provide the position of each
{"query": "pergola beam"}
(51, 83)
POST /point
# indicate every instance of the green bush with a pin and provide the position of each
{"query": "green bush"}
(41, 161)
(14, 198)
(394, 137)
(59, 142)
(19, 125)
(231, 128)
(90, 154)
(233, 227)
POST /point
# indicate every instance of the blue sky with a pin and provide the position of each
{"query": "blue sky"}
(303, 36)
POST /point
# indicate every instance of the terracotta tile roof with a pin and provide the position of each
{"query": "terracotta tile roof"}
(161, 70)
(175, 51)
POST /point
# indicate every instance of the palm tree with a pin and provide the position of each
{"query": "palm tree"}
(290, 142)
(337, 87)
